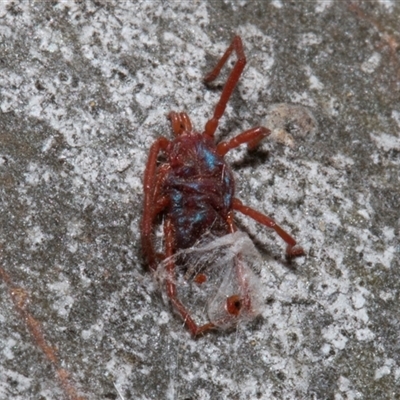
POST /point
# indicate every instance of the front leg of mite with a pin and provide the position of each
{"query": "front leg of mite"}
(252, 137)
(151, 177)
(292, 250)
(230, 84)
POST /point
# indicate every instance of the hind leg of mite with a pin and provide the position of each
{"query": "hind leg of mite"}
(171, 285)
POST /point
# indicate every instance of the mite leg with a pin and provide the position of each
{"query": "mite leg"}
(160, 202)
(180, 122)
(237, 303)
(149, 185)
(252, 137)
(230, 222)
(171, 286)
(230, 84)
(291, 250)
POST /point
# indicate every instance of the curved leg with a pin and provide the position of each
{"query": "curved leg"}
(230, 221)
(252, 137)
(159, 201)
(171, 286)
(150, 187)
(236, 303)
(175, 123)
(291, 250)
(230, 84)
(180, 122)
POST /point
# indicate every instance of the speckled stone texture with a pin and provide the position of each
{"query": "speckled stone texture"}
(84, 91)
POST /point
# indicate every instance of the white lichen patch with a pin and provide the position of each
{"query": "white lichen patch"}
(385, 141)
(347, 388)
(385, 369)
(64, 301)
(35, 237)
(396, 117)
(95, 332)
(36, 174)
(370, 65)
(334, 336)
(119, 372)
(20, 382)
(60, 287)
(164, 318)
(322, 5)
(388, 4)
(277, 3)
(365, 335)
(341, 161)
(7, 348)
(374, 257)
(310, 39)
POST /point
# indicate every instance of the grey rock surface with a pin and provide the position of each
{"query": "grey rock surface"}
(85, 88)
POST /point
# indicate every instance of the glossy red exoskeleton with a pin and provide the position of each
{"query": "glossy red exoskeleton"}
(193, 193)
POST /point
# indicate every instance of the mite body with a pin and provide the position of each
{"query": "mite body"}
(193, 193)
(200, 188)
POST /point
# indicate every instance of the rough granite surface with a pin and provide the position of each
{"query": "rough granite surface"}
(85, 88)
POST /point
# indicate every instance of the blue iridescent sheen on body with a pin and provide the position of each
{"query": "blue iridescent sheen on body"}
(210, 158)
(201, 190)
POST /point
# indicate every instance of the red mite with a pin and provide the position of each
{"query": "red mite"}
(192, 192)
